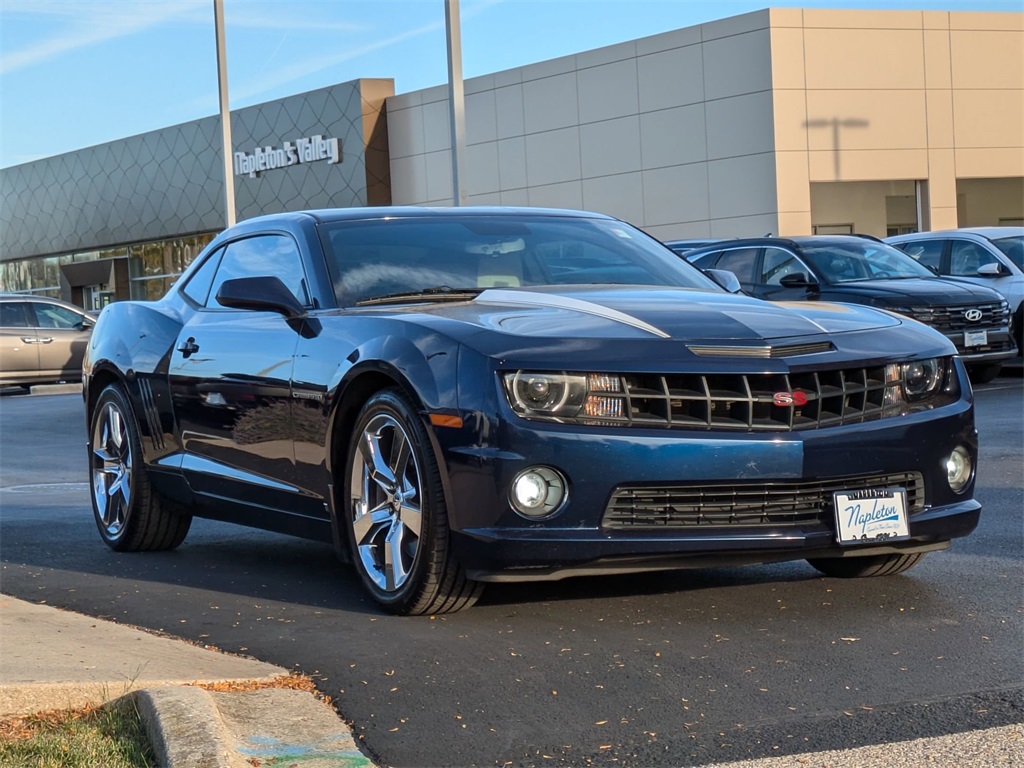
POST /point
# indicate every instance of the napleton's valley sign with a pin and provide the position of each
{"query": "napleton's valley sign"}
(305, 150)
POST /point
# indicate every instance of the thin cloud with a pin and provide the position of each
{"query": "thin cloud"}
(90, 24)
(311, 66)
(84, 24)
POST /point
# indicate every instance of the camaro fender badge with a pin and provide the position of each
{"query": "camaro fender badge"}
(790, 398)
(308, 396)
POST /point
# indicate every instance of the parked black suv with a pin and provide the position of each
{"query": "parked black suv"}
(863, 270)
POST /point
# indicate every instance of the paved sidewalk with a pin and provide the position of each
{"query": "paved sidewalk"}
(55, 659)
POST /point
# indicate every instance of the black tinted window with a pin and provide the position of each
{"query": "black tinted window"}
(707, 260)
(739, 261)
(369, 259)
(778, 262)
(198, 286)
(264, 255)
(13, 314)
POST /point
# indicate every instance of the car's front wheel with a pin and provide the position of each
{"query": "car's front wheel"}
(398, 520)
(983, 374)
(130, 515)
(862, 567)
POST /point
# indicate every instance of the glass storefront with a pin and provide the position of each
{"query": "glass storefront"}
(152, 268)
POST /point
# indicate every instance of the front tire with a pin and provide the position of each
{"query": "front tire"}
(983, 374)
(130, 515)
(396, 513)
(864, 567)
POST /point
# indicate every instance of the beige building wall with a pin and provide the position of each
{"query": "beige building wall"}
(873, 96)
(671, 132)
(765, 122)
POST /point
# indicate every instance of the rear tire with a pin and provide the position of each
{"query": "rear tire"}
(130, 515)
(864, 567)
(397, 519)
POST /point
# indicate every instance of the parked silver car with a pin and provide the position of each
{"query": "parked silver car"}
(990, 256)
(41, 339)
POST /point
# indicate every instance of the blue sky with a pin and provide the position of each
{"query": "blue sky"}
(75, 73)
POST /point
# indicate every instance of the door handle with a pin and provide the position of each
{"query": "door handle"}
(45, 339)
(30, 339)
(188, 347)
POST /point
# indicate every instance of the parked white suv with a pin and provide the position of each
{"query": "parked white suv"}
(992, 256)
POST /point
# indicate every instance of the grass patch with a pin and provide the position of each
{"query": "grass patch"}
(112, 736)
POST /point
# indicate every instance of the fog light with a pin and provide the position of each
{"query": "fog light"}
(537, 492)
(958, 468)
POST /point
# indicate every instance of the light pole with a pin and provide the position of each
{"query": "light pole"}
(456, 97)
(225, 113)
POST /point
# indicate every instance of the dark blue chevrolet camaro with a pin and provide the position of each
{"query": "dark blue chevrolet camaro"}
(458, 396)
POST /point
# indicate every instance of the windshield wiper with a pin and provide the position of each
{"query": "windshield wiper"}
(437, 293)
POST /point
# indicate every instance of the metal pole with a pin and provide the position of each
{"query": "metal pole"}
(225, 113)
(456, 97)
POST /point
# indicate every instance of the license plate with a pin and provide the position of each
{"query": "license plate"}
(975, 338)
(871, 515)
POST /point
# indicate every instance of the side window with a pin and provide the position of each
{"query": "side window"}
(198, 286)
(777, 264)
(928, 252)
(263, 255)
(50, 316)
(966, 257)
(739, 261)
(707, 261)
(13, 314)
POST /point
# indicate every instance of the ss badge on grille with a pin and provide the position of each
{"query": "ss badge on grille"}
(789, 398)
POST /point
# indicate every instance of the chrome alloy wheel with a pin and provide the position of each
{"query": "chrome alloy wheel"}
(387, 519)
(111, 460)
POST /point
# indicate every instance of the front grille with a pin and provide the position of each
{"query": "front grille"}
(951, 318)
(756, 402)
(732, 504)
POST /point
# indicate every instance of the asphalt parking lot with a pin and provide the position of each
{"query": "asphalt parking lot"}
(656, 670)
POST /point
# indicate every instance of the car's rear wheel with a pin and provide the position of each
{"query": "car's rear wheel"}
(862, 567)
(130, 515)
(398, 520)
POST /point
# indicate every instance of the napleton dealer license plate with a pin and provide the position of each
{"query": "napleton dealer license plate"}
(871, 515)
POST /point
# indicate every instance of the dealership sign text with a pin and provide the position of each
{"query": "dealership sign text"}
(305, 150)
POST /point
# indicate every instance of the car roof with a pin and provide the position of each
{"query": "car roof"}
(384, 212)
(793, 241)
(991, 233)
(10, 296)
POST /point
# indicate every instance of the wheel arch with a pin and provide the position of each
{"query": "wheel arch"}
(359, 385)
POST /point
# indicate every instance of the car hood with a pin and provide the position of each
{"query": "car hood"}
(649, 313)
(928, 290)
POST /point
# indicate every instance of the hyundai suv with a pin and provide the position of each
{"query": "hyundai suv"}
(861, 270)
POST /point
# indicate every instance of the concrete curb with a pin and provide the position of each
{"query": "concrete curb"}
(185, 728)
(194, 728)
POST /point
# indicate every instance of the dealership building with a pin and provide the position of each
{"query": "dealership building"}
(786, 121)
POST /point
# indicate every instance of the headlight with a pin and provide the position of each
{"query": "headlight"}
(922, 378)
(546, 394)
(565, 395)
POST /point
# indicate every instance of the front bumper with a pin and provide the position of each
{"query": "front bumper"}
(495, 544)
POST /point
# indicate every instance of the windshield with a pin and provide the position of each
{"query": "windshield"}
(1013, 247)
(846, 262)
(449, 255)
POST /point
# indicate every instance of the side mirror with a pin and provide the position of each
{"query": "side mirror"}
(724, 278)
(992, 269)
(266, 294)
(86, 324)
(797, 280)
